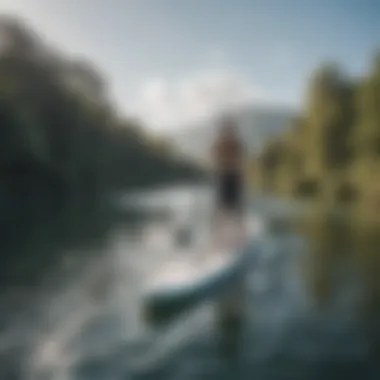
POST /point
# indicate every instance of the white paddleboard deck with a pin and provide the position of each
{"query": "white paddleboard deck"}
(185, 271)
(195, 269)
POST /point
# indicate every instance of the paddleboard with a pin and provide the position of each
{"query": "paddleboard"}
(199, 274)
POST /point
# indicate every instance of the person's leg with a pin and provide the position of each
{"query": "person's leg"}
(235, 201)
(229, 218)
(229, 204)
(226, 206)
(219, 206)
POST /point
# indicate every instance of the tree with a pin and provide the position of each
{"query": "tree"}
(59, 131)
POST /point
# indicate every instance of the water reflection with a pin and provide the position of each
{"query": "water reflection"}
(53, 271)
(367, 260)
(341, 253)
(71, 305)
(329, 245)
(341, 269)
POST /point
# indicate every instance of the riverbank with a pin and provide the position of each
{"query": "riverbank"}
(61, 137)
(330, 151)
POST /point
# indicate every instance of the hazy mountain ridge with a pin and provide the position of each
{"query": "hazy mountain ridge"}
(257, 125)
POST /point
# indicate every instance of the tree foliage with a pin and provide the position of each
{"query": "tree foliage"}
(335, 140)
(59, 133)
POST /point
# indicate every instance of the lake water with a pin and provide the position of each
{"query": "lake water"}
(311, 307)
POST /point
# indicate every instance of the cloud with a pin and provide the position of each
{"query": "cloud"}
(164, 103)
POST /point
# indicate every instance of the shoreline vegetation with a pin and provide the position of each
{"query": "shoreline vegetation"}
(60, 136)
(330, 154)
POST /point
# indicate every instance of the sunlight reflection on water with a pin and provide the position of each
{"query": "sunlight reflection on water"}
(93, 328)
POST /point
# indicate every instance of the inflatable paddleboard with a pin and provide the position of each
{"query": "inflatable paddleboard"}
(206, 272)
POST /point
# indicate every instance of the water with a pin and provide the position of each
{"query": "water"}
(306, 307)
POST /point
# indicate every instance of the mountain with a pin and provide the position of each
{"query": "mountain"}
(257, 125)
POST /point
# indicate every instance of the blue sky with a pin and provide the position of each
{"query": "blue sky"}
(173, 61)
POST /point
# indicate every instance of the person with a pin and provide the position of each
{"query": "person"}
(228, 165)
(229, 156)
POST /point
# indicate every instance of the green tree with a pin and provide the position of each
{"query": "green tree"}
(60, 133)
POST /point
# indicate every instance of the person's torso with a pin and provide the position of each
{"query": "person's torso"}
(229, 155)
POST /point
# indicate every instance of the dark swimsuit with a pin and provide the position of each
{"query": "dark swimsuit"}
(229, 181)
(230, 190)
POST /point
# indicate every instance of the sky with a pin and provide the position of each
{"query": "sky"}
(172, 63)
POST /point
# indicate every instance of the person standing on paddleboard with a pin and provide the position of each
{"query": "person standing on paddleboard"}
(229, 156)
(228, 159)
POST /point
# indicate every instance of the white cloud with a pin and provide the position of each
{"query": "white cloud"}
(163, 103)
